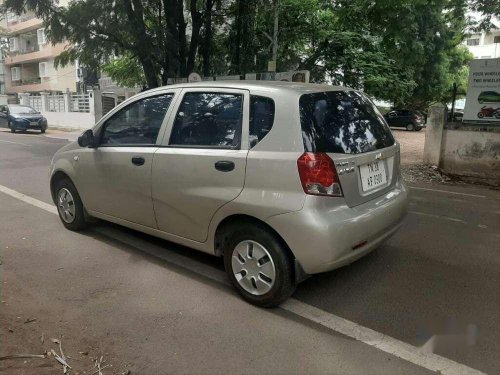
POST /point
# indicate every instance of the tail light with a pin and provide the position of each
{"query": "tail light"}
(318, 174)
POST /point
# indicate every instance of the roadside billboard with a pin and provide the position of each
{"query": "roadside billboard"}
(483, 92)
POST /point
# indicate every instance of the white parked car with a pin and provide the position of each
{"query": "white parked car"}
(283, 180)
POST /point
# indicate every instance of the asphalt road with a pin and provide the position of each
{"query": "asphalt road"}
(117, 292)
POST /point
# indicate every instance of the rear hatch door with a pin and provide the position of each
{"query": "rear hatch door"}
(348, 127)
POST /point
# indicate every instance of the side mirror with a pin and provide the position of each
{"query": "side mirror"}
(87, 139)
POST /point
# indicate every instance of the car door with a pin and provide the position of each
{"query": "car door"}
(114, 179)
(392, 118)
(201, 163)
(4, 117)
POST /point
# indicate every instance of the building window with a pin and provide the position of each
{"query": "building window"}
(473, 42)
(13, 44)
(16, 73)
(496, 39)
(43, 69)
(42, 38)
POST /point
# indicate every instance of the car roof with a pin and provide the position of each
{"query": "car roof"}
(295, 87)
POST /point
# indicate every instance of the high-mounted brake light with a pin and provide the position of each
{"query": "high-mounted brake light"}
(318, 174)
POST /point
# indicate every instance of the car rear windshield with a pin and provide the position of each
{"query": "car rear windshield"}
(344, 122)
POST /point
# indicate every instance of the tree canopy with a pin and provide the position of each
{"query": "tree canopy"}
(405, 51)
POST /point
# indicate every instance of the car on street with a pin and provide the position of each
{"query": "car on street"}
(404, 118)
(489, 97)
(21, 118)
(283, 180)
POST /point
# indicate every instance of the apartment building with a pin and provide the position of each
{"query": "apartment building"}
(29, 64)
(484, 45)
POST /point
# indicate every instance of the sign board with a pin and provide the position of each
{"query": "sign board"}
(194, 77)
(483, 92)
(293, 76)
(228, 78)
(271, 66)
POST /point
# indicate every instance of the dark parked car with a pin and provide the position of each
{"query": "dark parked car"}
(21, 117)
(404, 118)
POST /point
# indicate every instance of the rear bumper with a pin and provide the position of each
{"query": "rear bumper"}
(326, 234)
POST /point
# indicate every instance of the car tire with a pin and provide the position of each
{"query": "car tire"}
(12, 130)
(42, 131)
(410, 127)
(69, 205)
(418, 128)
(258, 264)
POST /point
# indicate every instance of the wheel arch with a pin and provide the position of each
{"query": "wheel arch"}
(235, 219)
(55, 178)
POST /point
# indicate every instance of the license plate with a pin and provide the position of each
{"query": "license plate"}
(373, 175)
(33, 123)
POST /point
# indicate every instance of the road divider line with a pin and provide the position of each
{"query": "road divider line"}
(387, 344)
(15, 143)
(449, 218)
(27, 199)
(447, 192)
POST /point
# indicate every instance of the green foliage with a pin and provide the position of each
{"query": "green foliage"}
(125, 71)
(408, 52)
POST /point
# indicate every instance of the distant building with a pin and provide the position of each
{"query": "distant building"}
(484, 45)
(29, 64)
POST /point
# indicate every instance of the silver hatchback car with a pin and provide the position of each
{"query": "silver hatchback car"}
(283, 180)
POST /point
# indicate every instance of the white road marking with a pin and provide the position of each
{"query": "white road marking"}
(400, 349)
(387, 344)
(27, 199)
(448, 192)
(457, 220)
(15, 143)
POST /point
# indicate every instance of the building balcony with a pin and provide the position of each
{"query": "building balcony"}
(47, 52)
(28, 85)
(23, 24)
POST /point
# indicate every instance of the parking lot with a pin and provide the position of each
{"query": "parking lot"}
(428, 300)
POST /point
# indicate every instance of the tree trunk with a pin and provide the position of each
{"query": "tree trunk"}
(207, 48)
(135, 13)
(196, 22)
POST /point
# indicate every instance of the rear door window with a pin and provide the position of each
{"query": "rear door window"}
(208, 120)
(344, 122)
(261, 118)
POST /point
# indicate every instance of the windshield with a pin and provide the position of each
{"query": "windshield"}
(22, 109)
(344, 122)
